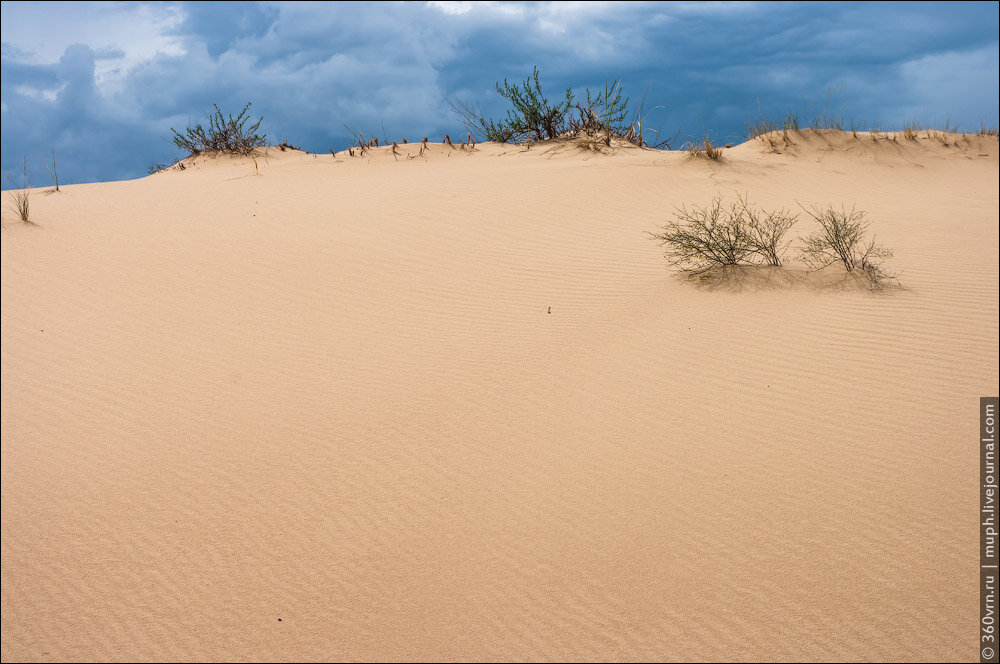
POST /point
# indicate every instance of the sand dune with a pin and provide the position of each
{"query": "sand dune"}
(322, 412)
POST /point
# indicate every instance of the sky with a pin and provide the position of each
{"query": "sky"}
(103, 83)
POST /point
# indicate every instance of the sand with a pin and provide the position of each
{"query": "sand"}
(322, 412)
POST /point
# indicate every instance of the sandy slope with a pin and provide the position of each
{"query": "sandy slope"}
(322, 412)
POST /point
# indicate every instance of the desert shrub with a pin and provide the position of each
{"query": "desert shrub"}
(603, 112)
(499, 132)
(842, 239)
(767, 230)
(718, 235)
(533, 115)
(602, 115)
(224, 134)
(705, 237)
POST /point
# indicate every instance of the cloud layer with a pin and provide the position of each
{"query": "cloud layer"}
(104, 83)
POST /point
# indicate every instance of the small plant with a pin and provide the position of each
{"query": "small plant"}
(765, 125)
(841, 239)
(604, 112)
(159, 168)
(225, 135)
(21, 203)
(635, 132)
(705, 148)
(20, 197)
(53, 173)
(826, 118)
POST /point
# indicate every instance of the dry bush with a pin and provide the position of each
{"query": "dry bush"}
(842, 239)
(719, 235)
(705, 237)
(767, 230)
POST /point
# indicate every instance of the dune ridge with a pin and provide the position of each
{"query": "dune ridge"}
(323, 412)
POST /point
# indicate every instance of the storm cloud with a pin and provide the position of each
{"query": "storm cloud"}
(103, 84)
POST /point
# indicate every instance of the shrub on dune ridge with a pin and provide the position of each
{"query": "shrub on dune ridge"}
(224, 134)
(602, 115)
(532, 116)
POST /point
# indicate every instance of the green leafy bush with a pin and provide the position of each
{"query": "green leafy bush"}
(224, 134)
(604, 114)
(533, 115)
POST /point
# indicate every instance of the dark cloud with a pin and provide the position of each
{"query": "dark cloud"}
(220, 25)
(311, 68)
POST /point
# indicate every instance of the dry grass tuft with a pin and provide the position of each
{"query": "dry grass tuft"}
(21, 197)
(705, 149)
(53, 173)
